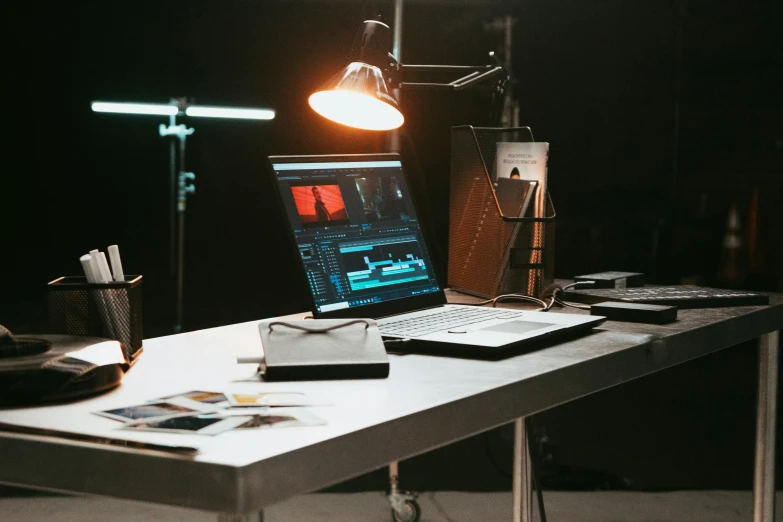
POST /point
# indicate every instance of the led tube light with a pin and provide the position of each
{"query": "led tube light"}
(229, 112)
(136, 108)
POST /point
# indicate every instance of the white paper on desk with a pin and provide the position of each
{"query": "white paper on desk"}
(100, 354)
(269, 399)
(530, 159)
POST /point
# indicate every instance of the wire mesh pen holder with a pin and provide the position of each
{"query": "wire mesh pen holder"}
(110, 310)
(491, 254)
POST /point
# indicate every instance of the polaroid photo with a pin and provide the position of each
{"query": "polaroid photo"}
(217, 399)
(280, 419)
(202, 424)
(268, 399)
(150, 410)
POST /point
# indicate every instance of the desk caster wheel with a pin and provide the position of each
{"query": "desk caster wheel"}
(408, 511)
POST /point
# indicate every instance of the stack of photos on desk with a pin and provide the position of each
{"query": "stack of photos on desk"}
(211, 413)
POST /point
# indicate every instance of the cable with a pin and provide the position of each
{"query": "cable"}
(566, 287)
(563, 303)
(520, 297)
(559, 289)
(535, 461)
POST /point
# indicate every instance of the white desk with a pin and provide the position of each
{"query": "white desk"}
(425, 403)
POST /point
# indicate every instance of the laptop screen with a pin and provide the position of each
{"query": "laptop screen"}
(356, 229)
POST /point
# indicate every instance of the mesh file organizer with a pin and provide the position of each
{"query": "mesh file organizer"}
(110, 310)
(491, 254)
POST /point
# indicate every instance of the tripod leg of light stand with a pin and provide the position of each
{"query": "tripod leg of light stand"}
(181, 195)
(179, 192)
(172, 200)
(180, 268)
(183, 189)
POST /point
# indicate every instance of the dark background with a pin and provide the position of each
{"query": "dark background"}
(661, 114)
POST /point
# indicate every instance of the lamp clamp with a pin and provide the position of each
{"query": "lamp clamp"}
(184, 188)
(178, 131)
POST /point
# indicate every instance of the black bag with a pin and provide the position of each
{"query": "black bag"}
(36, 370)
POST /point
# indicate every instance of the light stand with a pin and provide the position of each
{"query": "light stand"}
(179, 188)
(181, 182)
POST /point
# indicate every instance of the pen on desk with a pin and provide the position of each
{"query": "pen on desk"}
(95, 439)
(116, 263)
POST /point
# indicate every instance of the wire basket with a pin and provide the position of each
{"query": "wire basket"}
(109, 310)
(491, 254)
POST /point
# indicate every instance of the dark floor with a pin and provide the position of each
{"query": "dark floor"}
(678, 506)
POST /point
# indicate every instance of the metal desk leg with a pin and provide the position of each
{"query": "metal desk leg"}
(239, 518)
(521, 487)
(404, 506)
(764, 476)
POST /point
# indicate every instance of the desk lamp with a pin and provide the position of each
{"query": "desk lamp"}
(181, 182)
(358, 96)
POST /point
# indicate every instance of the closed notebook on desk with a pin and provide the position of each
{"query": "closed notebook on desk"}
(323, 349)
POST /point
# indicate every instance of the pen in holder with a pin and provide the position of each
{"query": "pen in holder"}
(111, 310)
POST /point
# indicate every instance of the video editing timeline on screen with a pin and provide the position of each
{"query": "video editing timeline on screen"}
(357, 232)
(383, 262)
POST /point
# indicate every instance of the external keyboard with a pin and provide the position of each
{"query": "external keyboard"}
(442, 320)
(682, 296)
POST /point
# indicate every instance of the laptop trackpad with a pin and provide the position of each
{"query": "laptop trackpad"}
(518, 327)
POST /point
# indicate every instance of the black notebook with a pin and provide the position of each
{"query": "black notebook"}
(323, 349)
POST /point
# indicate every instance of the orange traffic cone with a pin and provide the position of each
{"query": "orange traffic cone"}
(734, 261)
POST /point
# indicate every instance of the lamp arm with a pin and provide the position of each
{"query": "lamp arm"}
(472, 75)
(444, 68)
(493, 77)
(471, 79)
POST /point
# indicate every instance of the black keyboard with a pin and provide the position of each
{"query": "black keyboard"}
(682, 296)
(440, 320)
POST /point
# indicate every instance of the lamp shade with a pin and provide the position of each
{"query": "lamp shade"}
(358, 97)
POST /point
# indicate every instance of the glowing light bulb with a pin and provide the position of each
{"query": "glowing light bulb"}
(356, 110)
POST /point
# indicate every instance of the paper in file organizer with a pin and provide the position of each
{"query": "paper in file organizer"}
(530, 159)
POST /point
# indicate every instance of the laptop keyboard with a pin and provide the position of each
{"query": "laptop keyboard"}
(442, 320)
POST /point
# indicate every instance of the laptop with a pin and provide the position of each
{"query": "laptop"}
(363, 254)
